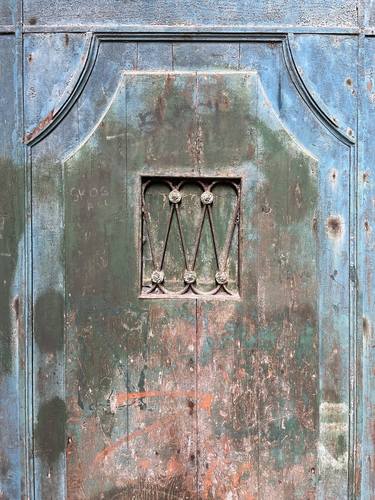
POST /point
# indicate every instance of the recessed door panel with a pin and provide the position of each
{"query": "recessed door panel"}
(192, 359)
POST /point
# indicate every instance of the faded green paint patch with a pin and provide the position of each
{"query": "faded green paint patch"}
(11, 229)
(161, 121)
(206, 352)
(290, 191)
(50, 429)
(227, 120)
(104, 346)
(49, 322)
(306, 342)
(295, 441)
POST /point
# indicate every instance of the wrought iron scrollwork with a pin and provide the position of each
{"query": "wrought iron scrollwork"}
(154, 281)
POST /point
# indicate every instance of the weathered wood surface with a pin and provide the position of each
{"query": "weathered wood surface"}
(225, 120)
(186, 13)
(61, 68)
(12, 256)
(366, 247)
(222, 398)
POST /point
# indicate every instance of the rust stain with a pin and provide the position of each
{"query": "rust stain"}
(366, 327)
(204, 402)
(144, 463)
(174, 467)
(110, 449)
(250, 151)
(16, 307)
(334, 175)
(122, 398)
(160, 108)
(40, 127)
(236, 479)
(334, 226)
(357, 480)
(207, 481)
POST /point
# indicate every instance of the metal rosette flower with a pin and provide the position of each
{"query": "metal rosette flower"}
(190, 277)
(175, 196)
(221, 278)
(157, 277)
(207, 197)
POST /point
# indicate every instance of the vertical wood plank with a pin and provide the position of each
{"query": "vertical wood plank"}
(12, 284)
(366, 245)
(287, 202)
(228, 433)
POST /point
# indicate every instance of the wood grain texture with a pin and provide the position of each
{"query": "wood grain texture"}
(337, 86)
(366, 265)
(316, 13)
(12, 296)
(59, 58)
(7, 12)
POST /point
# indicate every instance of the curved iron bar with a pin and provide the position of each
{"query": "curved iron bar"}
(146, 215)
(209, 210)
(227, 290)
(172, 209)
(182, 237)
(178, 292)
(151, 289)
(201, 292)
(198, 239)
(229, 238)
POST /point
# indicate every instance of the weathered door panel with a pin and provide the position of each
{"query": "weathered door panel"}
(191, 395)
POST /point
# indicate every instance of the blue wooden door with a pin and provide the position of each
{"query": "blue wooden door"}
(187, 248)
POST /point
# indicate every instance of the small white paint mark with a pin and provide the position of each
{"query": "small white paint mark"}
(111, 137)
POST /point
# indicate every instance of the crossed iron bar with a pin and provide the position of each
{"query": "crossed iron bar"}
(207, 200)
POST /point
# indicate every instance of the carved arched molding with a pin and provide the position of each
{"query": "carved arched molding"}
(69, 92)
(314, 103)
(316, 106)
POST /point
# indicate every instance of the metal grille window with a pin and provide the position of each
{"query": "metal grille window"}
(190, 236)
